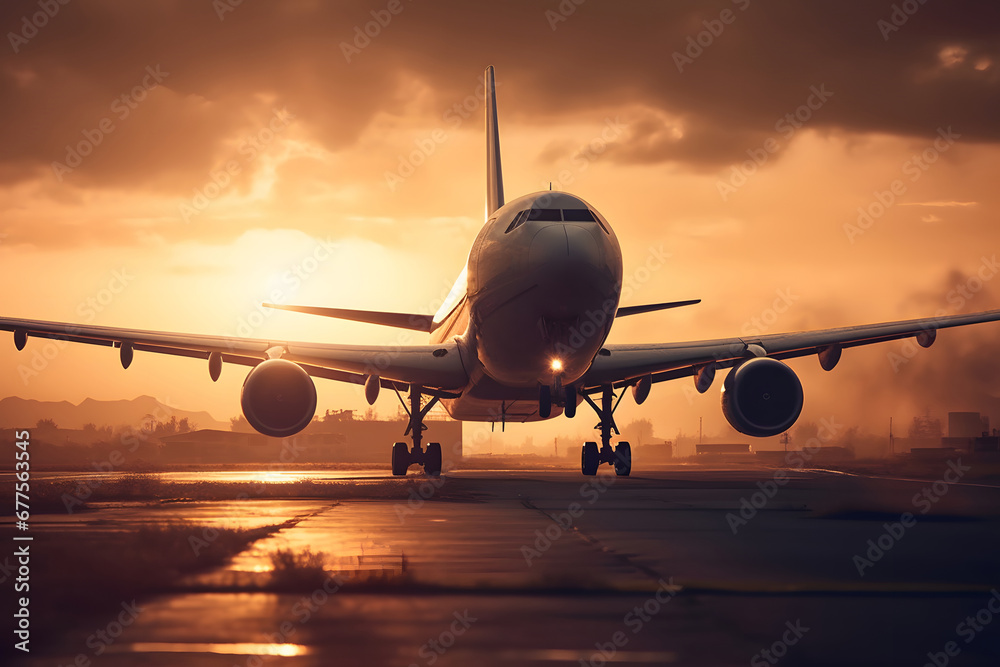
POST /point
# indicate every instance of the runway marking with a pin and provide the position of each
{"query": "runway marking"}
(596, 543)
(900, 479)
(872, 589)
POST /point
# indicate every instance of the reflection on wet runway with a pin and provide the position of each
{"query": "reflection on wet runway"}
(515, 567)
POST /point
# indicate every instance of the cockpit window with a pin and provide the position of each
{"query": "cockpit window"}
(578, 215)
(555, 215)
(582, 215)
(517, 221)
(545, 214)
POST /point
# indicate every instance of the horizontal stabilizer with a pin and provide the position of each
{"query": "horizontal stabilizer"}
(648, 308)
(398, 320)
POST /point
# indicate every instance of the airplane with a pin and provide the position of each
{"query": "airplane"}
(521, 337)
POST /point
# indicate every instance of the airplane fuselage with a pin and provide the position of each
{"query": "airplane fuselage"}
(542, 286)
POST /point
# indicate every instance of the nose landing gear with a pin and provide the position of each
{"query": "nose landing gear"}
(559, 395)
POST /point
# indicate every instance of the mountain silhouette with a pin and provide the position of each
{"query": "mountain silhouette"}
(24, 413)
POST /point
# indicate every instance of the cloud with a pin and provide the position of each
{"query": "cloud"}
(225, 75)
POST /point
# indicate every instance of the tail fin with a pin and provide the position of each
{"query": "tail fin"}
(494, 177)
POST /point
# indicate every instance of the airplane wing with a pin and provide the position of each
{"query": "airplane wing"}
(623, 365)
(439, 368)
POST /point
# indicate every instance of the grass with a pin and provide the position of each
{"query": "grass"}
(298, 570)
(79, 580)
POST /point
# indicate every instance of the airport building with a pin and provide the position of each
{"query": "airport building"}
(970, 432)
(336, 438)
(967, 432)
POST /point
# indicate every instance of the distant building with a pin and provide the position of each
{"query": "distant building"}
(970, 432)
(654, 452)
(722, 449)
(967, 425)
(967, 432)
(340, 439)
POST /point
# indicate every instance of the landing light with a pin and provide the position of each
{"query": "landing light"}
(557, 365)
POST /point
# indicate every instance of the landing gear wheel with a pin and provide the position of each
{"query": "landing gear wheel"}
(432, 459)
(544, 401)
(589, 458)
(623, 459)
(570, 408)
(400, 459)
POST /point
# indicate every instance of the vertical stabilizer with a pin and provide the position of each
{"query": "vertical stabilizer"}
(494, 176)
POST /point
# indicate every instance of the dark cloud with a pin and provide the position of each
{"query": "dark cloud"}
(225, 74)
(959, 372)
(963, 372)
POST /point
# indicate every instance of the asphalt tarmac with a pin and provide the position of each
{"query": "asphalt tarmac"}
(686, 565)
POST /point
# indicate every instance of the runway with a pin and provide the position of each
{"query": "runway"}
(683, 565)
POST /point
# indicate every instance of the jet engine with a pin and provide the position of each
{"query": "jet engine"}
(762, 397)
(278, 398)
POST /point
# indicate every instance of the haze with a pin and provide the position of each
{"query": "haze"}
(265, 152)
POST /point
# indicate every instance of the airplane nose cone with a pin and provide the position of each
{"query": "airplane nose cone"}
(566, 262)
(564, 244)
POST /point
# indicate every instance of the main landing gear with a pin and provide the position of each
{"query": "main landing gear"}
(430, 458)
(621, 456)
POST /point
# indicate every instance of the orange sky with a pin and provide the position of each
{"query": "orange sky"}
(237, 158)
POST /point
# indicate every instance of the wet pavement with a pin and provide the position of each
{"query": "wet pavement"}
(684, 565)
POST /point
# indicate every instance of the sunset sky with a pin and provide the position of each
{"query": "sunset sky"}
(170, 165)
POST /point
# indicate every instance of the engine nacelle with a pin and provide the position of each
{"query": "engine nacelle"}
(278, 398)
(762, 397)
